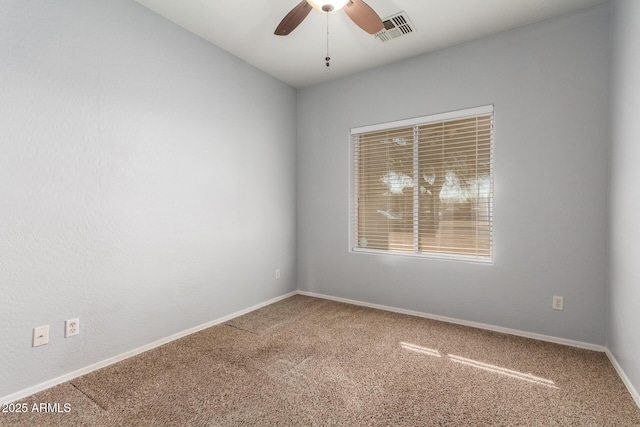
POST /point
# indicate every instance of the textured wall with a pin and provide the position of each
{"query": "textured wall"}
(147, 183)
(624, 318)
(549, 84)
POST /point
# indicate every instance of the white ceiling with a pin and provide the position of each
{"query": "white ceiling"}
(245, 28)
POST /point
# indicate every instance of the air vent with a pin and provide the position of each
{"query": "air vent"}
(395, 26)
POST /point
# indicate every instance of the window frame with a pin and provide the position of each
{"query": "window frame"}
(414, 122)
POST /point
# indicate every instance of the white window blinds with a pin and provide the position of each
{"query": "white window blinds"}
(425, 186)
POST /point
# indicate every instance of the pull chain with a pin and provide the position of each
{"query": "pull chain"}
(327, 58)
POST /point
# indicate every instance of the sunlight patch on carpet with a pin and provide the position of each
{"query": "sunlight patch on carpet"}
(420, 349)
(503, 371)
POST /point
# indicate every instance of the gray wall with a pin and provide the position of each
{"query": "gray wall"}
(147, 183)
(624, 318)
(549, 84)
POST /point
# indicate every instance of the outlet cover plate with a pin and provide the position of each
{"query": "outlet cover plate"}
(558, 303)
(71, 327)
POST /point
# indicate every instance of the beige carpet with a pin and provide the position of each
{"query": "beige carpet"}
(310, 362)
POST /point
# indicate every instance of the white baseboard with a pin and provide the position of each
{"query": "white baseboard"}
(110, 361)
(67, 377)
(625, 379)
(556, 340)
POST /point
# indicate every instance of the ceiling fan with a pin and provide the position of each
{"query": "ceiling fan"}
(360, 13)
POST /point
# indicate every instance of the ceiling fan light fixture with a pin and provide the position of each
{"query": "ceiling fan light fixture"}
(328, 5)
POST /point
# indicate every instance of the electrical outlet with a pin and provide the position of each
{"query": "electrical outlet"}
(558, 303)
(277, 273)
(41, 335)
(71, 327)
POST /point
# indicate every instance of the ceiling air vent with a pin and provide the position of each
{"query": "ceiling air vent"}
(395, 26)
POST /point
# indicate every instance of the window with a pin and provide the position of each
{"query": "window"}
(425, 186)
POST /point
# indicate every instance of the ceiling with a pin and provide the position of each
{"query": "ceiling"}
(245, 28)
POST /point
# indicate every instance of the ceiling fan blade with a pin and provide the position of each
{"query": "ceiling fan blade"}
(293, 19)
(363, 16)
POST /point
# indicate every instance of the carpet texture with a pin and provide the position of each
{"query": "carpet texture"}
(310, 362)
